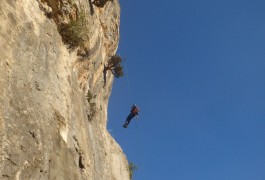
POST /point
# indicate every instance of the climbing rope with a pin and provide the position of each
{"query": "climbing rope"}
(140, 148)
(138, 134)
(128, 82)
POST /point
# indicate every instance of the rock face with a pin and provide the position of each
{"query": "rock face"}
(53, 100)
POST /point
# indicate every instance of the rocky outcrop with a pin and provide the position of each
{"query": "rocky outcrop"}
(53, 102)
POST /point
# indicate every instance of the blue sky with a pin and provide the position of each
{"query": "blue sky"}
(197, 71)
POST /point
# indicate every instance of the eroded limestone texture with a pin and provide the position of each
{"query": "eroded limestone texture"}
(53, 107)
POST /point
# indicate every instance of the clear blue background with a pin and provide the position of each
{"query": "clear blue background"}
(197, 71)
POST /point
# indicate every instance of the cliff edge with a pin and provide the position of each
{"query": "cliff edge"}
(53, 100)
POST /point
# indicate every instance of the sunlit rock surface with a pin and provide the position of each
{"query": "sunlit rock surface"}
(53, 102)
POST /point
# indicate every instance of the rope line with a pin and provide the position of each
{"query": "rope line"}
(138, 136)
(140, 148)
(128, 81)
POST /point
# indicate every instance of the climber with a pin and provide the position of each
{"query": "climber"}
(133, 113)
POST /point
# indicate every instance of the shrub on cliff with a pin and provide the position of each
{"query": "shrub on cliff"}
(132, 169)
(75, 32)
(114, 65)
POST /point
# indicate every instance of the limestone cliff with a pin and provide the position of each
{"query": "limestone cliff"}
(53, 101)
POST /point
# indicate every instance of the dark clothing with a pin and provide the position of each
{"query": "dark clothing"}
(129, 118)
(134, 112)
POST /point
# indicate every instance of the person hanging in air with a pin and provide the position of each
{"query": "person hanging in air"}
(133, 113)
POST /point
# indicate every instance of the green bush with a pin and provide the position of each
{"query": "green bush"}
(75, 33)
(114, 65)
(132, 169)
